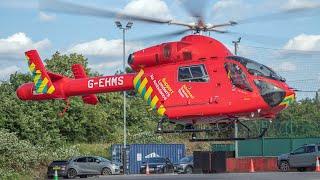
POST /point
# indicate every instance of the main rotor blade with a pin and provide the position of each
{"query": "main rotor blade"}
(77, 9)
(195, 8)
(219, 31)
(164, 35)
(284, 15)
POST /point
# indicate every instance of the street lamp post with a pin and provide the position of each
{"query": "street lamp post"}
(124, 153)
(236, 43)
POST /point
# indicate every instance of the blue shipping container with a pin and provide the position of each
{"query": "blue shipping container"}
(139, 152)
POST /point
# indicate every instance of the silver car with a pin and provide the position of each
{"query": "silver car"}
(301, 158)
(185, 165)
(83, 166)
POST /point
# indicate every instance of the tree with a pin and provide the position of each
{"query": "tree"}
(61, 64)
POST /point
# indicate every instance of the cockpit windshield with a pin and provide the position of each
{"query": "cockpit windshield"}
(257, 69)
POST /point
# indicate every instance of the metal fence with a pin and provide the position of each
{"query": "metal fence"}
(285, 129)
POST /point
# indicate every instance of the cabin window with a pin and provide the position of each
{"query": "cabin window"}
(237, 76)
(194, 73)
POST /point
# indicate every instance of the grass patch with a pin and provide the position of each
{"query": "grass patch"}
(95, 149)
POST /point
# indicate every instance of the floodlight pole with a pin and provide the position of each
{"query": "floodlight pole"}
(124, 153)
(236, 153)
(236, 45)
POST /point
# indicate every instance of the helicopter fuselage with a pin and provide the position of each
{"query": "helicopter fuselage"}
(195, 80)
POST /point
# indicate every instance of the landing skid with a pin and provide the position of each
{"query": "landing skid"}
(194, 138)
(229, 139)
(161, 131)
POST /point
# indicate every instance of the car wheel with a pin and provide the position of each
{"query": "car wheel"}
(106, 171)
(301, 169)
(188, 170)
(284, 166)
(72, 173)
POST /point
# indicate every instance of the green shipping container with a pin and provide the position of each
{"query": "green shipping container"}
(272, 146)
(222, 147)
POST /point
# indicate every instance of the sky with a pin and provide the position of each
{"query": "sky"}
(289, 44)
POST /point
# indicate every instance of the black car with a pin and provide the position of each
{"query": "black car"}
(185, 165)
(157, 165)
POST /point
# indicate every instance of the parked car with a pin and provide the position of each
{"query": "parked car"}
(157, 165)
(185, 165)
(84, 166)
(301, 158)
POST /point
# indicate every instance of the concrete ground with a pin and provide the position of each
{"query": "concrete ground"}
(220, 176)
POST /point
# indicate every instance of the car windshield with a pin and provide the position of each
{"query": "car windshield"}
(186, 159)
(156, 160)
(257, 69)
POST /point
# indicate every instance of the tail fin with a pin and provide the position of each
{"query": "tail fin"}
(42, 82)
(79, 72)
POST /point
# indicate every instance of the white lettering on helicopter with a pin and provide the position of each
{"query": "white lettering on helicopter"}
(163, 87)
(105, 82)
(184, 92)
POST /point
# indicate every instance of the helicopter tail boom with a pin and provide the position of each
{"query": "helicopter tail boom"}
(64, 87)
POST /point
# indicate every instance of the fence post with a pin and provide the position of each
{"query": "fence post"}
(262, 142)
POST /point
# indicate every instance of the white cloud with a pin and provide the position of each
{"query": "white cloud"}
(6, 71)
(149, 8)
(46, 17)
(108, 67)
(297, 4)
(105, 55)
(232, 8)
(304, 42)
(103, 47)
(12, 51)
(285, 67)
(15, 45)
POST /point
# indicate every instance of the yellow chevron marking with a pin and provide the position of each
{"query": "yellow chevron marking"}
(31, 67)
(37, 76)
(291, 96)
(148, 93)
(142, 85)
(287, 100)
(154, 101)
(161, 110)
(136, 79)
(51, 89)
(43, 84)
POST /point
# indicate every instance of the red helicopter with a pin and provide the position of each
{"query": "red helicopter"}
(196, 80)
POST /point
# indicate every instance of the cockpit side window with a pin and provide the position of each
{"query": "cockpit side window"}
(194, 73)
(237, 76)
(257, 69)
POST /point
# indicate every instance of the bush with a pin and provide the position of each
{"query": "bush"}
(21, 158)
